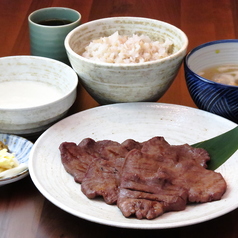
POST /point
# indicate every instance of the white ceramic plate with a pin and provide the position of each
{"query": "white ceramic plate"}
(139, 121)
(21, 147)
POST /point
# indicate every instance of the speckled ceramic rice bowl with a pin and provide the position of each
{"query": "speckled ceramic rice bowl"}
(131, 82)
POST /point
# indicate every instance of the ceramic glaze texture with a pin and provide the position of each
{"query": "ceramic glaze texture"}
(178, 124)
(33, 119)
(111, 83)
(214, 97)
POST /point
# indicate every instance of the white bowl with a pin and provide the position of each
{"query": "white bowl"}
(21, 148)
(26, 118)
(114, 82)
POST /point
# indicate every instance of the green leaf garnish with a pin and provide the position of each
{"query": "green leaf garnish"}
(220, 148)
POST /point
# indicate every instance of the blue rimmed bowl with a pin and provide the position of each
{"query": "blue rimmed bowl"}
(220, 99)
(21, 147)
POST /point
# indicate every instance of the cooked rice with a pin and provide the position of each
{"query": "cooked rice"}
(125, 49)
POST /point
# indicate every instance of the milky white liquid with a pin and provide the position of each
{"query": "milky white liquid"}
(21, 94)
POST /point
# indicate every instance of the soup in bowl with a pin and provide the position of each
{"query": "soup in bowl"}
(211, 77)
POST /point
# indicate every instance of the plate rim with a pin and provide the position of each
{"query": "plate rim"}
(115, 224)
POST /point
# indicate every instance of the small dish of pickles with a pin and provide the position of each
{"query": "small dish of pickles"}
(14, 155)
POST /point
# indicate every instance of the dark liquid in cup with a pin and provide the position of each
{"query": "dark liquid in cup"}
(54, 22)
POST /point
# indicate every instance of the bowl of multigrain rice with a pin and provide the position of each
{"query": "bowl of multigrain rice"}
(126, 59)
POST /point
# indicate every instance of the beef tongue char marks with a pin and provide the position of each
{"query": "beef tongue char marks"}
(96, 165)
(146, 188)
(103, 175)
(103, 179)
(144, 179)
(160, 177)
(77, 158)
(202, 185)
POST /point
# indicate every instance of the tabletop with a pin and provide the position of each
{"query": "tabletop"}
(24, 211)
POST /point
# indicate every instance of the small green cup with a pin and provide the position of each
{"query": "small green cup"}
(48, 28)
